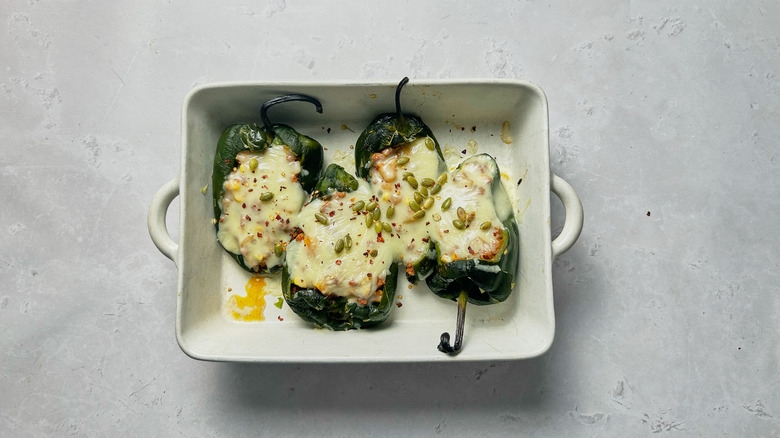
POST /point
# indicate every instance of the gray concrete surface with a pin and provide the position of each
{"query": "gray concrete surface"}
(665, 116)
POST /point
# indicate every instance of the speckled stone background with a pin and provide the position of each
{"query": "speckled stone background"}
(664, 116)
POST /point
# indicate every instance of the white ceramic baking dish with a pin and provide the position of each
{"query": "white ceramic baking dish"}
(457, 111)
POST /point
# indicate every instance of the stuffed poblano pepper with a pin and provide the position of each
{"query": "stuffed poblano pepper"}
(261, 178)
(476, 241)
(398, 154)
(339, 272)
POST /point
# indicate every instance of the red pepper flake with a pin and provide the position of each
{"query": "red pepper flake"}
(338, 262)
(425, 239)
(243, 205)
(463, 152)
(251, 190)
(446, 231)
(471, 251)
(369, 275)
(648, 213)
(379, 238)
(265, 176)
(266, 223)
(353, 218)
(247, 217)
(287, 221)
(331, 213)
(254, 180)
(370, 261)
(282, 188)
(398, 304)
(259, 235)
(227, 161)
(280, 318)
(278, 217)
(222, 219)
(427, 223)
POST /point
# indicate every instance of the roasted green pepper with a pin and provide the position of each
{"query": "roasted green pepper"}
(338, 273)
(259, 173)
(399, 154)
(477, 243)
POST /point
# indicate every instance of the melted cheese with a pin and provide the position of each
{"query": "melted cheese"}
(392, 189)
(356, 272)
(250, 226)
(470, 189)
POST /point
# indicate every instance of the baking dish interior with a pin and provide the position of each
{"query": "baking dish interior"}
(457, 112)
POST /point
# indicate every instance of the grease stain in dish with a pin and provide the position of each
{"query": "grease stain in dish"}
(251, 306)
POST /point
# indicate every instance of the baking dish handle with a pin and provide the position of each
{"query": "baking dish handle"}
(156, 219)
(572, 225)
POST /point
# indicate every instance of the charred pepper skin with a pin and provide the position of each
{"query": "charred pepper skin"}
(478, 276)
(334, 312)
(252, 137)
(393, 130)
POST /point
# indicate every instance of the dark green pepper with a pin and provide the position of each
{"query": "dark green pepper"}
(394, 131)
(390, 130)
(481, 278)
(330, 310)
(254, 138)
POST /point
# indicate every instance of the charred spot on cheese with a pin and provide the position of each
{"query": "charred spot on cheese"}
(259, 206)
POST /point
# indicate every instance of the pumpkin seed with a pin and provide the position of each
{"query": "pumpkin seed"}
(457, 223)
(267, 196)
(358, 206)
(321, 218)
(428, 203)
(485, 225)
(462, 214)
(339, 246)
(402, 160)
(446, 204)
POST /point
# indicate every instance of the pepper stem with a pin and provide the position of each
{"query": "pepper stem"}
(401, 120)
(444, 345)
(287, 98)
